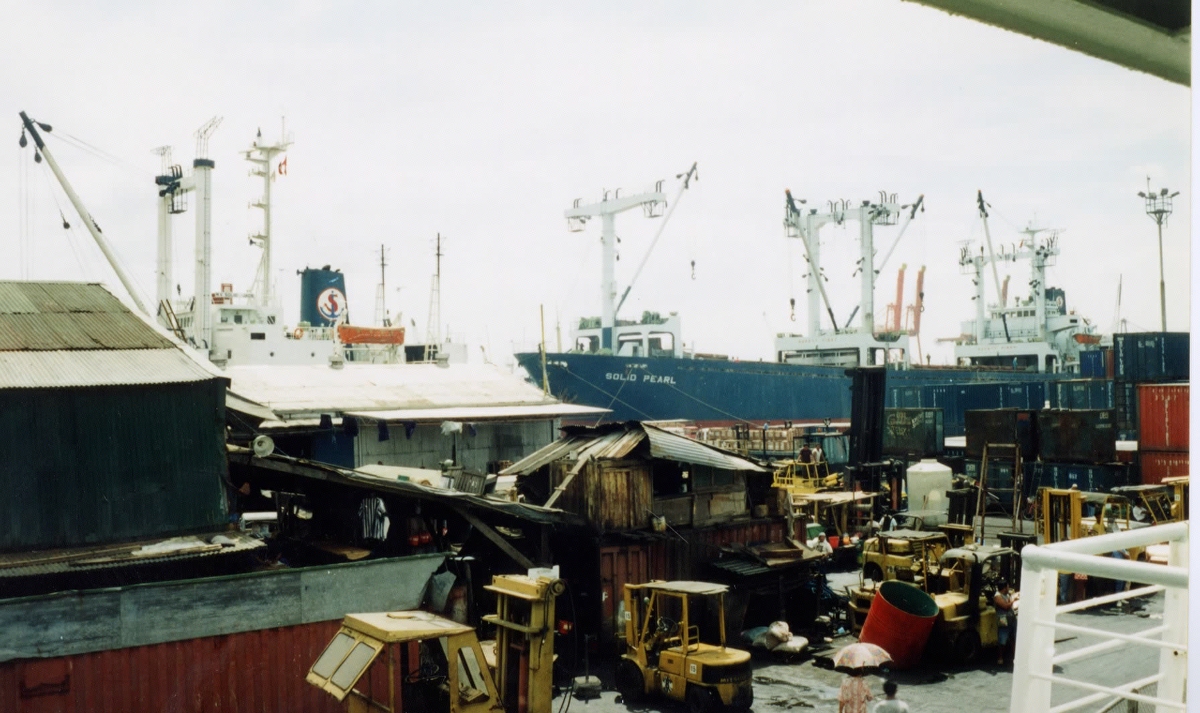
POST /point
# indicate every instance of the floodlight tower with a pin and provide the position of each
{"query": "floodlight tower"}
(652, 204)
(1158, 207)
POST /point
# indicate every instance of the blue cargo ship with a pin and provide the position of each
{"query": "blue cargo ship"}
(1017, 353)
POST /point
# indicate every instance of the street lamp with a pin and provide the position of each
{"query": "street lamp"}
(1158, 207)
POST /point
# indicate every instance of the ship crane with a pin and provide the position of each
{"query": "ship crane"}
(40, 150)
(843, 346)
(577, 215)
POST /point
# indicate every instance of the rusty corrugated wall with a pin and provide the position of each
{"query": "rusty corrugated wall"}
(670, 559)
(253, 672)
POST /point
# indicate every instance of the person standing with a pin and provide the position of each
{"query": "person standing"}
(1005, 621)
(891, 704)
(855, 694)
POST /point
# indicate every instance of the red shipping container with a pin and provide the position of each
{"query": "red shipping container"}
(1163, 417)
(1159, 465)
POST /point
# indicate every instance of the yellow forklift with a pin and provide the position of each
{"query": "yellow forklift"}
(906, 555)
(414, 661)
(667, 655)
(963, 586)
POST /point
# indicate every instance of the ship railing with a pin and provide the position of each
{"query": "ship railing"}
(1034, 677)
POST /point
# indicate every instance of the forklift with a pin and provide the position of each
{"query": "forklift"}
(667, 655)
(414, 661)
(963, 586)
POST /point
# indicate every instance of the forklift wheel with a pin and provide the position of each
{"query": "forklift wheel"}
(966, 647)
(873, 572)
(701, 700)
(631, 684)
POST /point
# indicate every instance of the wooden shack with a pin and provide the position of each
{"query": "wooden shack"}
(633, 476)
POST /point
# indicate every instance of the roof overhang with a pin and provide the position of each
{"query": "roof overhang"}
(1151, 37)
(479, 413)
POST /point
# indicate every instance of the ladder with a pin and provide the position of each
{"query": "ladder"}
(167, 314)
(1017, 484)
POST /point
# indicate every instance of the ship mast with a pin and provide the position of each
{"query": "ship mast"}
(261, 156)
(433, 336)
(607, 210)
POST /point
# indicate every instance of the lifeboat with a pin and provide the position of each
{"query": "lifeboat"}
(350, 334)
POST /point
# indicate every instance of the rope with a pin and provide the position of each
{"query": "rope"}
(614, 396)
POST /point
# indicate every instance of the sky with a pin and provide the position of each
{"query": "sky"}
(483, 122)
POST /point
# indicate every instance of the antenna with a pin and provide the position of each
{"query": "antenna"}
(381, 315)
(433, 335)
(202, 135)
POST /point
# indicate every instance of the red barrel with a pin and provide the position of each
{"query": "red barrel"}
(900, 620)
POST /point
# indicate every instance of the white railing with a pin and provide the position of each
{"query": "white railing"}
(1033, 669)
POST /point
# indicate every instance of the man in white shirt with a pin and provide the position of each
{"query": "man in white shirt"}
(821, 545)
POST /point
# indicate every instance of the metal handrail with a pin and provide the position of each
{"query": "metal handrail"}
(1033, 673)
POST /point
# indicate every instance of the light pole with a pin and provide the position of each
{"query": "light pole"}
(1158, 207)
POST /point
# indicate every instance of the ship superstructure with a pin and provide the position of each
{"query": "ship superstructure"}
(1036, 333)
(242, 328)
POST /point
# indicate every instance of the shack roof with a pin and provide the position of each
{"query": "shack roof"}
(525, 512)
(617, 441)
(375, 390)
(72, 334)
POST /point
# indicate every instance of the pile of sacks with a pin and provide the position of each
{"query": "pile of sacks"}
(776, 638)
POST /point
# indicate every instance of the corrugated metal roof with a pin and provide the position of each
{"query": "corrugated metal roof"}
(664, 444)
(610, 443)
(142, 552)
(55, 316)
(480, 413)
(97, 367)
(313, 389)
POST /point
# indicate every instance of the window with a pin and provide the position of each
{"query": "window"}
(343, 662)
(259, 336)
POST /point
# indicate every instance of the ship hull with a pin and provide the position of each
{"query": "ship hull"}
(717, 392)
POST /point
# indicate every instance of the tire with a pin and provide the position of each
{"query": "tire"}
(631, 684)
(873, 572)
(701, 700)
(966, 647)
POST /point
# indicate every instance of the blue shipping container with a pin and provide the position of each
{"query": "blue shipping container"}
(1152, 356)
(1090, 478)
(1091, 364)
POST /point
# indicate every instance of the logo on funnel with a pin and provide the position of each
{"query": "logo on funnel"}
(331, 303)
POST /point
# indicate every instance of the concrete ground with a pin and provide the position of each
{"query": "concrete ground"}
(978, 688)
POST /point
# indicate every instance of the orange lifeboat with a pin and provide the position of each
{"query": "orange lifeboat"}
(349, 334)
(1087, 338)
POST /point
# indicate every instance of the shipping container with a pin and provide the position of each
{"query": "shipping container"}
(1077, 436)
(1088, 477)
(1158, 465)
(1082, 394)
(913, 432)
(1014, 426)
(1163, 419)
(1091, 364)
(1030, 395)
(1151, 356)
(956, 399)
(1125, 403)
(999, 475)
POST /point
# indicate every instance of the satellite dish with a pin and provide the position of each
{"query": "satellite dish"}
(263, 446)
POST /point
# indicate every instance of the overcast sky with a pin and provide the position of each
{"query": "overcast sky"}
(484, 121)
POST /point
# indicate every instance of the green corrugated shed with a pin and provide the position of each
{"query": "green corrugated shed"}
(93, 465)
(108, 431)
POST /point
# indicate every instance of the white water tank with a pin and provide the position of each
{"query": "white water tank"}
(928, 482)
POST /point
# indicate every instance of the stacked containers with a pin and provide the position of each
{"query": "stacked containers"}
(1140, 358)
(1163, 430)
(1000, 426)
(1078, 448)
